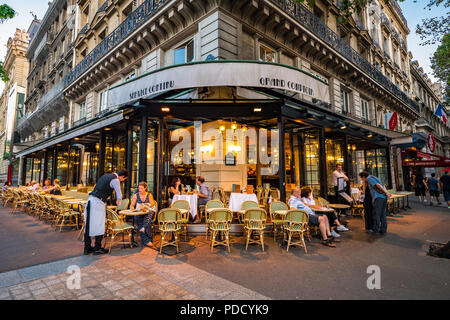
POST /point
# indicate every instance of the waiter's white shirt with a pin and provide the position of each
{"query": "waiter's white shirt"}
(336, 175)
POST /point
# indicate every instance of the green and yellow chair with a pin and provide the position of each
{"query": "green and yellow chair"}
(116, 226)
(210, 205)
(185, 208)
(245, 206)
(255, 221)
(295, 223)
(276, 219)
(220, 225)
(170, 221)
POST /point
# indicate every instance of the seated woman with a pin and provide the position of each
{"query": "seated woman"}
(34, 186)
(307, 198)
(55, 190)
(175, 187)
(6, 186)
(143, 200)
(47, 184)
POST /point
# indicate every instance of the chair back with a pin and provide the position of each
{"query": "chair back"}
(220, 218)
(296, 219)
(169, 219)
(322, 202)
(249, 204)
(211, 204)
(277, 205)
(222, 195)
(123, 205)
(275, 194)
(181, 204)
(255, 218)
(215, 194)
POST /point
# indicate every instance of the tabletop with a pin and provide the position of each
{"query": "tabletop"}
(322, 209)
(339, 206)
(281, 212)
(132, 213)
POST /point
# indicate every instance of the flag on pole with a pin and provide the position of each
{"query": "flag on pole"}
(441, 113)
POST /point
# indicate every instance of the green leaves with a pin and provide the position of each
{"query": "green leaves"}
(3, 75)
(440, 63)
(6, 12)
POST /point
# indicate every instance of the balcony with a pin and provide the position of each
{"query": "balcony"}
(385, 22)
(79, 122)
(312, 23)
(131, 23)
(50, 108)
(103, 7)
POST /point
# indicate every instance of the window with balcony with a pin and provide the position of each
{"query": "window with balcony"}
(82, 111)
(267, 54)
(184, 53)
(365, 110)
(345, 101)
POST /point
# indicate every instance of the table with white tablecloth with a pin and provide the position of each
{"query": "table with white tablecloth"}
(236, 200)
(191, 198)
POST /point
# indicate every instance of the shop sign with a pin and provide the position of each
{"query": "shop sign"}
(431, 142)
(220, 73)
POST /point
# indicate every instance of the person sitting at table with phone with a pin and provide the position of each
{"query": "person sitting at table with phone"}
(295, 202)
(143, 200)
(175, 187)
(204, 195)
(307, 198)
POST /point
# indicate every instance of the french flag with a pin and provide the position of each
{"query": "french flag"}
(441, 113)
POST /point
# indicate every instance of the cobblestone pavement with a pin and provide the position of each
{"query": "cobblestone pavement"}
(141, 275)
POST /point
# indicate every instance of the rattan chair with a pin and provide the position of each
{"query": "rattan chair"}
(244, 206)
(276, 219)
(169, 221)
(67, 217)
(220, 225)
(116, 226)
(255, 221)
(20, 201)
(185, 208)
(295, 223)
(357, 206)
(210, 205)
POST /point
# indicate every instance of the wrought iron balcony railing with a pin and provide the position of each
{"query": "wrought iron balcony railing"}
(385, 20)
(311, 22)
(103, 7)
(79, 122)
(84, 29)
(133, 21)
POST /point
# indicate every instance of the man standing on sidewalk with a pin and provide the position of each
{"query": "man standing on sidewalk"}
(95, 210)
(379, 199)
(445, 185)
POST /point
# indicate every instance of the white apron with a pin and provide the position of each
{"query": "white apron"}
(97, 216)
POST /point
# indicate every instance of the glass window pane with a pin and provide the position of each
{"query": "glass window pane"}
(179, 56)
(190, 51)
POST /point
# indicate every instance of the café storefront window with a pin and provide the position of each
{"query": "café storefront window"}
(311, 159)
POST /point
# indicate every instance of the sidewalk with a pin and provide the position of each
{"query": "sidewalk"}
(138, 275)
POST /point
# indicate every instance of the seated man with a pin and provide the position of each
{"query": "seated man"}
(308, 199)
(295, 202)
(204, 195)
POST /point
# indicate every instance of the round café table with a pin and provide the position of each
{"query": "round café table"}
(133, 213)
(339, 207)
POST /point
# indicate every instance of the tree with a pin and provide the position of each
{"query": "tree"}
(433, 29)
(440, 63)
(6, 13)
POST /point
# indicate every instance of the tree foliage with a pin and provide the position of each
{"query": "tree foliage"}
(440, 63)
(433, 29)
(6, 12)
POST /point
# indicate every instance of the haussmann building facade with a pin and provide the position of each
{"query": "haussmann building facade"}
(241, 92)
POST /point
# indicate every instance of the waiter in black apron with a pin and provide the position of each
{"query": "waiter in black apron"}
(95, 210)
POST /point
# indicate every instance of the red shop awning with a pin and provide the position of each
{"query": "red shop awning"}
(432, 160)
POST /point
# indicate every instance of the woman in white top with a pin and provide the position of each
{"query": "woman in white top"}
(307, 198)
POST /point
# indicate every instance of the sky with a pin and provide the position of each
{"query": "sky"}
(413, 13)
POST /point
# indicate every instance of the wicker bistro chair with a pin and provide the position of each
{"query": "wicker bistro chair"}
(220, 225)
(245, 206)
(20, 200)
(210, 205)
(276, 219)
(255, 221)
(116, 226)
(8, 196)
(295, 223)
(66, 216)
(169, 221)
(357, 206)
(185, 208)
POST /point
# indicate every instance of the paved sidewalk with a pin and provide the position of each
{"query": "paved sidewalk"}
(140, 275)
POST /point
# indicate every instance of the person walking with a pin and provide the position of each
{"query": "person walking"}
(433, 188)
(367, 203)
(379, 199)
(445, 187)
(420, 187)
(95, 210)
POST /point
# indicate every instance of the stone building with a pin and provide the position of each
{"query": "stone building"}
(13, 96)
(255, 76)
